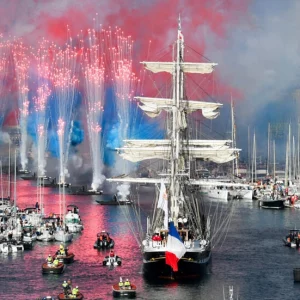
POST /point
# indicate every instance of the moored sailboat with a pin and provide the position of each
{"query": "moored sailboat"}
(179, 202)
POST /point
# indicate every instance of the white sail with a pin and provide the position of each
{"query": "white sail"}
(217, 155)
(150, 143)
(186, 67)
(154, 106)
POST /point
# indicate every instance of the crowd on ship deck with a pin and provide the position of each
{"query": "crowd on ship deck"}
(159, 238)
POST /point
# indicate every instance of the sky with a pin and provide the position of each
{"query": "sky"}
(255, 43)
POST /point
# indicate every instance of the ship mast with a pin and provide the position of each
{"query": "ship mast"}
(176, 132)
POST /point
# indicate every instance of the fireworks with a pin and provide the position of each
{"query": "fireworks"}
(124, 82)
(21, 60)
(4, 51)
(47, 81)
(94, 86)
(64, 82)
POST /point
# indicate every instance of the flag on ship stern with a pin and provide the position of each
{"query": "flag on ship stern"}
(175, 248)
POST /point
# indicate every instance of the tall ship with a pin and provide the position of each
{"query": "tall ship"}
(178, 200)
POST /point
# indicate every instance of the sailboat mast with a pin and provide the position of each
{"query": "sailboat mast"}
(298, 144)
(9, 176)
(15, 183)
(235, 165)
(286, 163)
(232, 136)
(274, 158)
(294, 158)
(268, 154)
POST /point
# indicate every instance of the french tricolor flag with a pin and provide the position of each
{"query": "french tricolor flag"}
(175, 248)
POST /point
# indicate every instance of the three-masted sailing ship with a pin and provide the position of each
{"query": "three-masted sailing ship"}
(179, 200)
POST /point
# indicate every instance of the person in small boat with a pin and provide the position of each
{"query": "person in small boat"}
(121, 283)
(61, 250)
(100, 239)
(127, 284)
(112, 256)
(69, 282)
(66, 287)
(55, 262)
(75, 292)
(49, 259)
(108, 240)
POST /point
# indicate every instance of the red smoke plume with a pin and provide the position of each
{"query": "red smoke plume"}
(150, 20)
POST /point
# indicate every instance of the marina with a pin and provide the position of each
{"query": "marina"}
(253, 251)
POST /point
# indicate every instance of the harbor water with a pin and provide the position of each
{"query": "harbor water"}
(250, 257)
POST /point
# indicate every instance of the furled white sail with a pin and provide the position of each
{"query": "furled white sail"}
(187, 67)
(218, 155)
(153, 106)
(150, 143)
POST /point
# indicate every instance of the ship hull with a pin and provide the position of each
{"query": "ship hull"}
(192, 265)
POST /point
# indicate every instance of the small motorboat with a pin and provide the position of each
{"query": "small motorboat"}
(47, 298)
(112, 260)
(29, 177)
(124, 291)
(52, 269)
(83, 191)
(62, 296)
(48, 183)
(73, 220)
(104, 241)
(292, 239)
(66, 259)
(29, 237)
(27, 244)
(45, 234)
(269, 200)
(62, 235)
(21, 171)
(114, 201)
(11, 246)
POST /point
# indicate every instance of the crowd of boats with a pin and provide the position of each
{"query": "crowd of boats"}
(269, 193)
(22, 228)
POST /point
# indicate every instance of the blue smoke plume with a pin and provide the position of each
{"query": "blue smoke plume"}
(140, 127)
(77, 135)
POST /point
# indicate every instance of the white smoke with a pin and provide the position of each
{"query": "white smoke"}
(77, 161)
(5, 137)
(123, 190)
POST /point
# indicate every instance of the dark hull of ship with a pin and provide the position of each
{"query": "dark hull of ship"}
(192, 266)
(276, 204)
